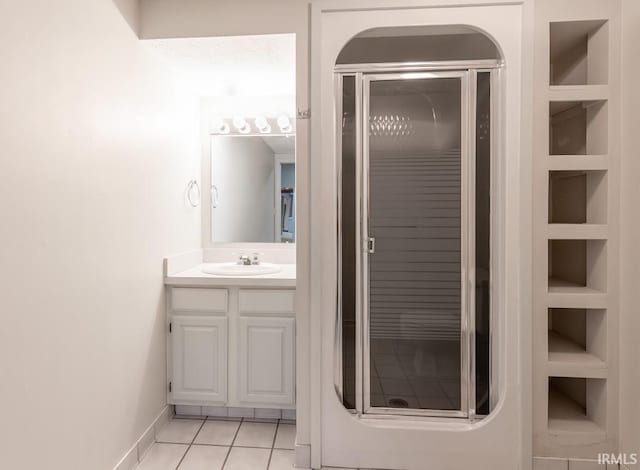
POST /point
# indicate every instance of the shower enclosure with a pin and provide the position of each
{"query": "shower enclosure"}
(414, 254)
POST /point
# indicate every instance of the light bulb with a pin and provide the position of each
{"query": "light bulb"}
(241, 125)
(220, 126)
(262, 125)
(284, 124)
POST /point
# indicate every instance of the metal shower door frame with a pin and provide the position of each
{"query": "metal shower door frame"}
(363, 75)
(467, 240)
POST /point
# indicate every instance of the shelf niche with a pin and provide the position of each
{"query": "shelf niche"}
(577, 266)
(577, 405)
(577, 336)
(577, 197)
(578, 127)
(579, 52)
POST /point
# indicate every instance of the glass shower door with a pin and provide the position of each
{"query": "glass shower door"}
(416, 243)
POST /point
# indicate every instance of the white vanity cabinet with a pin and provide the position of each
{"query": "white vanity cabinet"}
(266, 346)
(231, 346)
(199, 357)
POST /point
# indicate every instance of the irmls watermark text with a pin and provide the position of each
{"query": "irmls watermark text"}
(624, 459)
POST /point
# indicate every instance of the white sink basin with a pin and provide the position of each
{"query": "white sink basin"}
(234, 269)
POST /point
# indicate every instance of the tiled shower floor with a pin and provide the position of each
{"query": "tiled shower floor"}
(423, 376)
(222, 444)
(418, 374)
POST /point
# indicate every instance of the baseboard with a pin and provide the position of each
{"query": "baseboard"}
(551, 463)
(303, 456)
(135, 454)
(186, 411)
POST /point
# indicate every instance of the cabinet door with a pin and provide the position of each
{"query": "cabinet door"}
(266, 369)
(199, 353)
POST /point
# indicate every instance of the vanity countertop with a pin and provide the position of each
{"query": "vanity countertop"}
(195, 277)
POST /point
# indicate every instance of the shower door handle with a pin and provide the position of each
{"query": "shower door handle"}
(371, 245)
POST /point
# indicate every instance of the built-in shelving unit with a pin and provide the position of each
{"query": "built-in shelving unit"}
(577, 405)
(578, 52)
(575, 230)
(577, 127)
(577, 342)
(577, 265)
(578, 197)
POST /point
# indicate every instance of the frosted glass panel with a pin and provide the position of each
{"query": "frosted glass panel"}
(414, 152)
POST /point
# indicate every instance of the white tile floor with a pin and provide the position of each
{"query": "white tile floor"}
(222, 444)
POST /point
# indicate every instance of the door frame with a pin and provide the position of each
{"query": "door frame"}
(329, 435)
(279, 160)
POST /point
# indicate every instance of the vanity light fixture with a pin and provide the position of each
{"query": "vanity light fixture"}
(262, 125)
(284, 124)
(241, 125)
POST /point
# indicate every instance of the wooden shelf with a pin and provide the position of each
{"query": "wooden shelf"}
(558, 286)
(562, 294)
(578, 162)
(569, 359)
(579, 299)
(565, 415)
(577, 231)
(584, 93)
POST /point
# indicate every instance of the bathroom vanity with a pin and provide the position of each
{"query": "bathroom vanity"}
(231, 306)
(231, 339)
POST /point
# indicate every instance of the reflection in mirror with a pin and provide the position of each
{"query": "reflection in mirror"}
(253, 188)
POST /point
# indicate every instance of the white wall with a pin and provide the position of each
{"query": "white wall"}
(130, 11)
(192, 18)
(630, 233)
(98, 144)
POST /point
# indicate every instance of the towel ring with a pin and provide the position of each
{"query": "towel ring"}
(215, 196)
(193, 193)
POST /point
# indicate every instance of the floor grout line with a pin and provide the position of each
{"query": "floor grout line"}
(231, 446)
(209, 445)
(252, 447)
(191, 444)
(225, 445)
(273, 444)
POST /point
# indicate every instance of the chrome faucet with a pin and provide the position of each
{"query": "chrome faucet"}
(245, 260)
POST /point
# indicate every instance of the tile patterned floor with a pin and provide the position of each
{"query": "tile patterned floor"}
(222, 444)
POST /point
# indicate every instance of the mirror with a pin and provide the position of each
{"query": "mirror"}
(253, 188)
